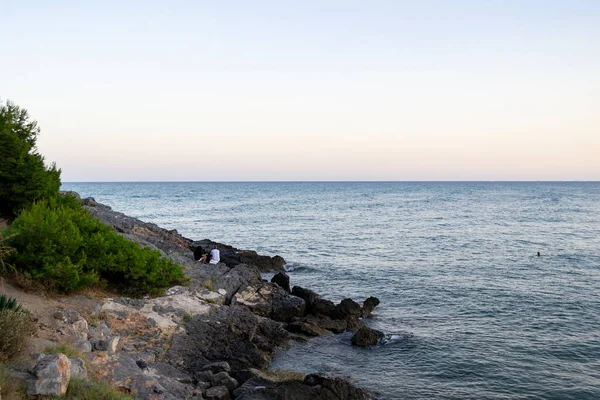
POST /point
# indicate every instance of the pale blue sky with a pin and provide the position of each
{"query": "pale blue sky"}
(328, 90)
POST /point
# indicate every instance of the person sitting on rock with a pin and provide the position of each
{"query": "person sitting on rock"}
(215, 256)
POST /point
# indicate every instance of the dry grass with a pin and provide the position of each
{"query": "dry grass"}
(15, 328)
(10, 389)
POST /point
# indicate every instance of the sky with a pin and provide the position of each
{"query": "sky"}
(308, 90)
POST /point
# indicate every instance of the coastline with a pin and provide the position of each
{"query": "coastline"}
(214, 338)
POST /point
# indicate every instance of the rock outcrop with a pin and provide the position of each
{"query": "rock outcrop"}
(212, 339)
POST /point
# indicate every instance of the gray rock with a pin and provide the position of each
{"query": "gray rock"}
(216, 367)
(223, 379)
(270, 300)
(109, 344)
(231, 334)
(217, 393)
(51, 376)
(83, 345)
(78, 369)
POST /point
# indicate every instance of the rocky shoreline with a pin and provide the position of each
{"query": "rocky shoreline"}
(212, 339)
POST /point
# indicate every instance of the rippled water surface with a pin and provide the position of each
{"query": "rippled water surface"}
(469, 310)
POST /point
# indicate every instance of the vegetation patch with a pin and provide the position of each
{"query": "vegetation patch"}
(15, 328)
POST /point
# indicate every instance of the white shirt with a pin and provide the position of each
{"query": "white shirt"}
(215, 256)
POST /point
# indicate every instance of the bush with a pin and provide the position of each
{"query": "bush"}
(16, 327)
(8, 303)
(23, 176)
(60, 243)
(10, 388)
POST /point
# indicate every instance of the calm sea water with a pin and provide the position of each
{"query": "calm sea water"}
(469, 310)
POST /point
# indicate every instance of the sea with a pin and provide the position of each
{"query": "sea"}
(468, 308)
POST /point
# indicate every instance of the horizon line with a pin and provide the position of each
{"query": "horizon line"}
(351, 181)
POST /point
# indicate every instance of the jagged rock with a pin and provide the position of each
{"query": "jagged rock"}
(270, 300)
(71, 323)
(231, 334)
(307, 295)
(314, 387)
(347, 310)
(109, 344)
(216, 367)
(78, 368)
(333, 325)
(283, 280)
(223, 379)
(242, 375)
(368, 306)
(307, 328)
(232, 256)
(82, 345)
(366, 336)
(217, 393)
(322, 307)
(51, 376)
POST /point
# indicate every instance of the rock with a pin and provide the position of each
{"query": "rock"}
(78, 369)
(368, 306)
(232, 256)
(71, 324)
(307, 295)
(217, 393)
(231, 334)
(283, 280)
(333, 325)
(51, 376)
(366, 336)
(109, 344)
(216, 367)
(83, 345)
(322, 307)
(242, 375)
(313, 387)
(307, 328)
(347, 310)
(223, 379)
(270, 300)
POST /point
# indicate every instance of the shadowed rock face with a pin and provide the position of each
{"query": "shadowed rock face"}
(232, 256)
(366, 336)
(232, 334)
(314, 387)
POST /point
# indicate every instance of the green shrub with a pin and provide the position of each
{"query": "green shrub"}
(8, 303)
(60, 243)
(16, 327)
(24, 178)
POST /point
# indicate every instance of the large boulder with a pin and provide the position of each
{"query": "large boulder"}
(270, 300)
(232, 334)
(232, 256)
(347, 310)
(366, 336)
(50, 376)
